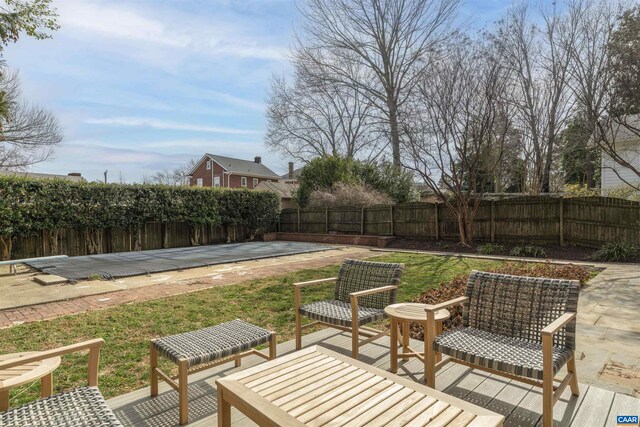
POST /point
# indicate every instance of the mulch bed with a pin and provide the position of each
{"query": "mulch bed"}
(570, 253)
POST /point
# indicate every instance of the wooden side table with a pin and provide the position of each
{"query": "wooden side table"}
(24, 374)
(401, 315)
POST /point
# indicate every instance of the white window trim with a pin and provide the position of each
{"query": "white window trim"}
(208, 165)
(243, 181)
(255, 182)
(199, 182)
(216, 181)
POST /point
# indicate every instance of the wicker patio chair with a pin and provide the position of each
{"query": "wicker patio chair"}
(523, 328)
(79, 407)
(362, 290)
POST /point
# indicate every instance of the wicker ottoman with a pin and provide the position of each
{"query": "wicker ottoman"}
(202, 349)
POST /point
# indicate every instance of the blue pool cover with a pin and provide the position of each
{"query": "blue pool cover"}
(125, 264)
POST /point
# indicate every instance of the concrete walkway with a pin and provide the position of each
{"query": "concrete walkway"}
(608, 338)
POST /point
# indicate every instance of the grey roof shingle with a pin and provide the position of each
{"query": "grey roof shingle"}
(248, 167)
(285, 190)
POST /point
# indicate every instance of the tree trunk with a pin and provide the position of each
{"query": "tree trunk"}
(94, 241)
(137, 246)
(195, 235)
(6, 246)
(54, 248)
(394, 132)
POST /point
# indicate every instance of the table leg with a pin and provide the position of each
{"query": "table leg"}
(46, 385)
(438, 332)
(394, 346)
(224, 410)
(4, 399)
(405, 339)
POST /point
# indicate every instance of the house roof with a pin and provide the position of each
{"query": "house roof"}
(285, 190)
(296, 173)
(33, 175)
(240, 167)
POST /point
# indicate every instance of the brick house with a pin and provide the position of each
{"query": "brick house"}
(220, 171)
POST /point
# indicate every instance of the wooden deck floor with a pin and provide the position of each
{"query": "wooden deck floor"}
(518, 402)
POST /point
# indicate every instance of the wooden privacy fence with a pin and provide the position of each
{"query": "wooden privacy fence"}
(154, 235)
(585, 221)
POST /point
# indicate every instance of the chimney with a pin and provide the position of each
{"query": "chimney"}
(74, 174)
(290, 170)
(258, 159)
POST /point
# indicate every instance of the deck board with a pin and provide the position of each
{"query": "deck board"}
(519, 403)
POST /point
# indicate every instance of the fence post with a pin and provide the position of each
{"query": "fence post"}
(493, 220)
(298, 220)
(435, 207)
(362, 221)
(326, 220)
(561, 221)
(391, 219)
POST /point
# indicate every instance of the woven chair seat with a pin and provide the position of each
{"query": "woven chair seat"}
(499, 352)
(80, 407)
(209, 344)
(339, 313)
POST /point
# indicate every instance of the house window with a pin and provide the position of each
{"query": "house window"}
(255, 182)
(216, 181)
(199, 182)
(243, 181)
(208, 165)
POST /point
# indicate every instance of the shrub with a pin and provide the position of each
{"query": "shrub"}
(456, 287)
(616, 252)
(29, 206)
(491, 249)
(343, 194)
(324, 172)
(528, 251)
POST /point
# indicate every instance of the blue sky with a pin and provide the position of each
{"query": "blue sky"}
(140, 86)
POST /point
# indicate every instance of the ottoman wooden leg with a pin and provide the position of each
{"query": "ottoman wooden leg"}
(183, 391)
(272, 346)
(153, 361)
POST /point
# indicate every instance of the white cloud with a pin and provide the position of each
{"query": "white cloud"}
(168, 125)
(215, 36)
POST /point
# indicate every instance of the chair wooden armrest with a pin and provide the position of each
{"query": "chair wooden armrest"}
(315, 282)
(372, 291)
(94, 357)
(446, 304)
(557, 324)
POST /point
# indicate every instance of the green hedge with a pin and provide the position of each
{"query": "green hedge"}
(28, 207)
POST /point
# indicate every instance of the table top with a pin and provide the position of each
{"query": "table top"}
(23, 374)
(413, 311)
(316, 386)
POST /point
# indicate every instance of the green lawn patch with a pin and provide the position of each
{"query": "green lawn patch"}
(126, 329)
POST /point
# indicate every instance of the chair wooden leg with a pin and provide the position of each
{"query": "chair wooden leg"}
(429, 353)
(4, 400)
(183, 391)
(355, 333)
(154, 370)
(571, 368)
(224, 410)
(298, 320)
(547, 380)
(46, 385)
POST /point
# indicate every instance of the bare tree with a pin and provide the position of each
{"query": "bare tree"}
(27, 133)
(538, 57)
(378, 47)
(316, 117)
(462, 117)
(173, 177)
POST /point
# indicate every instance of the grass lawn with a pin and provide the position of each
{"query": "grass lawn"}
(126, 329)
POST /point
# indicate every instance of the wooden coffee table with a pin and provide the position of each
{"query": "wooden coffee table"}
(316, 386)
(401, 316)
(24, 374)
